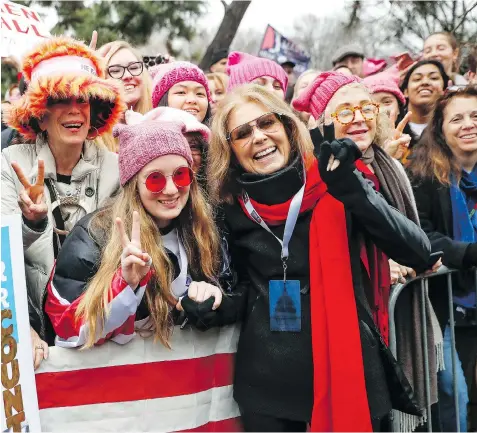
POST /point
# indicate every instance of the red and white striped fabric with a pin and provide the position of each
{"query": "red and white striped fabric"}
(142, 386)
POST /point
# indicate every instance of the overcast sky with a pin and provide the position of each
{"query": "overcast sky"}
(278, 13)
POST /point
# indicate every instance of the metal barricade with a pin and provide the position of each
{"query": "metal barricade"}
(423, 286)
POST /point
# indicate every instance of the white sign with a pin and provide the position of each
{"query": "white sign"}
(21, 29)
(19, 400)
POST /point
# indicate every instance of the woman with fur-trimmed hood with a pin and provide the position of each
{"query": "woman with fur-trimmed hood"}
(64, 174)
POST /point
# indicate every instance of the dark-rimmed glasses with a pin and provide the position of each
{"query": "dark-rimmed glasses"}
(268, 123)
(157, 181)
(117, 71)
(346, 115)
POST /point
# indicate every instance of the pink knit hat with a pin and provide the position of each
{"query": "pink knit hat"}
(319, 92)
(384, 82)
(243, 68)
(141, 143)
(166, 75)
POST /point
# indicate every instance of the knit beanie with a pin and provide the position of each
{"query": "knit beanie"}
(318, 94)
(141, 143)
(169, 114)
(166, 75)
(243, 68)
(218, 55)
(384, 82)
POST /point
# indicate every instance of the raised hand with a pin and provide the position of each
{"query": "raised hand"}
(135, 264)
(335, 152)
(399, 142)
(30, 198)
(94, 40)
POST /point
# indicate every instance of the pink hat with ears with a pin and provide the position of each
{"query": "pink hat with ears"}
(169, 114)
(385, 82)
(143, 140)
(243, 68)
(319, 92)
(166, 75)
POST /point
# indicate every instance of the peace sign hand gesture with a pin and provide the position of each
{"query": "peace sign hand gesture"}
(397, 146)
(135, 264)
(30, 198)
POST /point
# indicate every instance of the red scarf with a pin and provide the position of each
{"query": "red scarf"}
(340, 399)
(377, 266)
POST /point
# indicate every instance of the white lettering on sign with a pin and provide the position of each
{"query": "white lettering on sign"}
(3, 292)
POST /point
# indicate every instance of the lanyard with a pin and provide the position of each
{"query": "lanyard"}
(290, 223)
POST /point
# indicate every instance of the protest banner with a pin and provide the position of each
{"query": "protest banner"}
(142, 386)
(280, 49)
(19, 401)
(21, 29)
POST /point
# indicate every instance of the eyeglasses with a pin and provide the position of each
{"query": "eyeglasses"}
(117, 71)
(243, 134)
(346, 115)
(157, 181)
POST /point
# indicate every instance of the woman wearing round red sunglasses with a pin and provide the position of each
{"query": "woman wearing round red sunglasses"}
(153, 253)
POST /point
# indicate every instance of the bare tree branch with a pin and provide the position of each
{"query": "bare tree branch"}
(464, 16)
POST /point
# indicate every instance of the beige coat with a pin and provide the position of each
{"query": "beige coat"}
(97, 171)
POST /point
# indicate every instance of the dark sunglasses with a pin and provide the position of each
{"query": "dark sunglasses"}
(157, 181)
(117, 71)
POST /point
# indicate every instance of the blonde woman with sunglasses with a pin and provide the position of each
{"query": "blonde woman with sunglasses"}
(154, 251)
(294, 214)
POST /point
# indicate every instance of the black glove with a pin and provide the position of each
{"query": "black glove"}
(343, 150)
(201, 315)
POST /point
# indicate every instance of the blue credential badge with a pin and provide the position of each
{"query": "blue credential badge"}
(285, 305)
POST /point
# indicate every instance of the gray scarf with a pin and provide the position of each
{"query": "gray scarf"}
(408, 319)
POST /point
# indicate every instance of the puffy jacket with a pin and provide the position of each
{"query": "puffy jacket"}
(94, 180)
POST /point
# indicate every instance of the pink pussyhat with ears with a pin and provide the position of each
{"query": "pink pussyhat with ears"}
(243, 68)
(169, 114)
(144, 141)
(315, 98)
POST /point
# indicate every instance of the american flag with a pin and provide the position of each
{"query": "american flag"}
(142, 386)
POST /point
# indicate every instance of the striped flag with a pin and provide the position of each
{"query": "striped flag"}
(142, 386)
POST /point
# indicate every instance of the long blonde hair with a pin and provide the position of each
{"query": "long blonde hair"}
(144, 104)
(222, 167)
(198, 233)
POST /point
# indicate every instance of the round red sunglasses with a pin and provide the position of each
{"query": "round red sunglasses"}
(182, 177)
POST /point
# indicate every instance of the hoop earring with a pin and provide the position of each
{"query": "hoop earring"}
(96, 136)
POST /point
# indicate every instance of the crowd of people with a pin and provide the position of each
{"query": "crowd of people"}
(167, 195)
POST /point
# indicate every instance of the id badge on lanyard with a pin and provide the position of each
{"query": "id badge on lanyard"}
(284, 295)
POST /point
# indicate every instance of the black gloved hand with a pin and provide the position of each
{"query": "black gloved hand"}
(332, 151)
(201, 315)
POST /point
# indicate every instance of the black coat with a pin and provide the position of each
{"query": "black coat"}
(274, 370)
(435, 212)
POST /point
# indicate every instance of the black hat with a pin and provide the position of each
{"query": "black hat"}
(288, 63)
(218, 55)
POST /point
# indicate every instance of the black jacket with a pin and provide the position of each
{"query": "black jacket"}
(435, 212)
(274, 370)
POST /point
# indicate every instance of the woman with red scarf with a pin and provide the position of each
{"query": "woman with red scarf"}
(309, 351)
